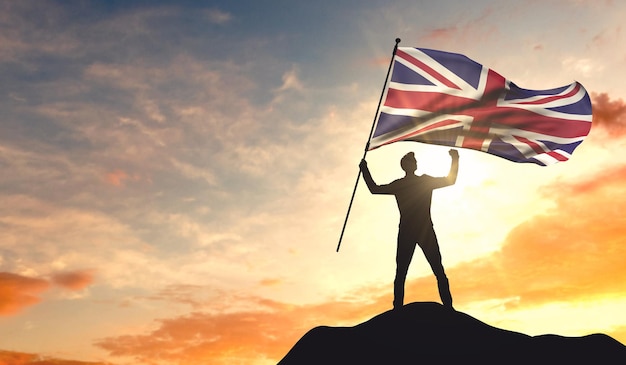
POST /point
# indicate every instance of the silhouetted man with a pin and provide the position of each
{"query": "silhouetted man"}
(414, 194)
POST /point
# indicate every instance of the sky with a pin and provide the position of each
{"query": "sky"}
(175, 176)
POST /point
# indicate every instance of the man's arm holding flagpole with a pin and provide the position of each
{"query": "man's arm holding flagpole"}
(369, 181)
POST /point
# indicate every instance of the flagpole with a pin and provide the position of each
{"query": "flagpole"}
(367, 145)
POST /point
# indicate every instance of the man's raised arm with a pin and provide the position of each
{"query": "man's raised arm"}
(454, 167)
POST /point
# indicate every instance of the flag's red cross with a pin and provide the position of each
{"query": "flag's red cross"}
(477, 114)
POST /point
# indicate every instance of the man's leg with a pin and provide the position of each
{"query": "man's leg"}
(430, 246)
(404, 254)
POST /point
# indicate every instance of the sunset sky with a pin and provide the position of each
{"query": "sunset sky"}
(175, 176)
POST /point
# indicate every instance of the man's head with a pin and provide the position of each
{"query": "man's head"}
(408, 163)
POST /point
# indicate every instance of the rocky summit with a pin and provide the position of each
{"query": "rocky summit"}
(429, 333)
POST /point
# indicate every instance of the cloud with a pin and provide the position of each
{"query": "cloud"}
(73, 280)
(585, 67)
(270, 282)
(194, 172)
(575, 252)
(217, 16)
(23, 358)
(197, 126)
(18, 292)
(442, 34)
(196, 296)
(472, 26)
(607, 37)
(116, 177)
(290, 83)
(41, 237)
(609, 114)
(257, 336)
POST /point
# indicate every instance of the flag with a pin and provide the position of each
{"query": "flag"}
(448, 99)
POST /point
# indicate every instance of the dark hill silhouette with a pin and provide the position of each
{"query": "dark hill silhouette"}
(429, 333)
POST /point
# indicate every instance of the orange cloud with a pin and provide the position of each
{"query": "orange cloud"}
(119, 178)
(575, 252)
(18, 292)
(380, 61)
(266, 333)
(270, 282)
(73, 280)
(478, 27)
(182, 294)
(442, 34)
(609, 114)
(21, 358)
(116, 178)
(209, 338)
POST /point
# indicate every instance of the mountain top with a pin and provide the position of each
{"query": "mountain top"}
(426, 332)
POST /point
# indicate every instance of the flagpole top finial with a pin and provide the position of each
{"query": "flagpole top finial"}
(397, 40)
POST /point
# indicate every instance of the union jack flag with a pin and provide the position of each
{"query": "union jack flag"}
(448, 99)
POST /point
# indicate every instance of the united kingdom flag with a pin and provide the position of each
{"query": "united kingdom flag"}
(448, 99)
